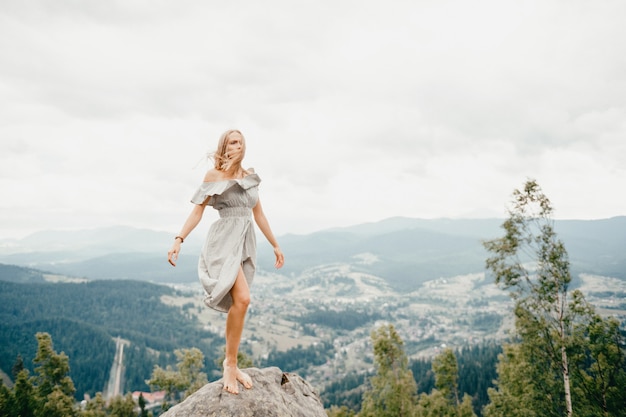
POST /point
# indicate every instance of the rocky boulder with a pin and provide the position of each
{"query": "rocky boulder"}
(274, 394)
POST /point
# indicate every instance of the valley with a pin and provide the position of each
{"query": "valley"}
(313, 317)
(456, 312)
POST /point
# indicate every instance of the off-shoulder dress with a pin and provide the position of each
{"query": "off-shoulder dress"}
(231, 240)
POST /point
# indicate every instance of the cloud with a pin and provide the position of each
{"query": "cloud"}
(353, 111)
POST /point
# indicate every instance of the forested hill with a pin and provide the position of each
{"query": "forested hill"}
(84, 318)
(407, 251)
(21, 274)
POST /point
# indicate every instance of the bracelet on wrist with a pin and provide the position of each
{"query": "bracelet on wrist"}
(181, 239)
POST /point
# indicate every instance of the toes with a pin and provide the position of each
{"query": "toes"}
(244, 378)
(230, 379)
(231, 390)
(246, 384)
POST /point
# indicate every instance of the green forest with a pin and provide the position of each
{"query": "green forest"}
(83, 319)
(563, 358)
(88, 338)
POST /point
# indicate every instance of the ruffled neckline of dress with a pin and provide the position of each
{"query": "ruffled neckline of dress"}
(213, 188)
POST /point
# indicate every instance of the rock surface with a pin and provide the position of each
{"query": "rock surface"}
(274, 394)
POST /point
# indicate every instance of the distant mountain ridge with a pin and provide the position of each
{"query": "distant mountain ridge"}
(403, 251)
(410, 251)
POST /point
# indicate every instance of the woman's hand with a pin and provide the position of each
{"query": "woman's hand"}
(280, 258)
(172, 255)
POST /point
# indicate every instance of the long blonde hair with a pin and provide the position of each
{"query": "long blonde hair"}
(225, 163)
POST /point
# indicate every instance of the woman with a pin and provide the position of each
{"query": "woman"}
(227, 262)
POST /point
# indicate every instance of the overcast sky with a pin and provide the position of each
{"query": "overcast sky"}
(353, 111)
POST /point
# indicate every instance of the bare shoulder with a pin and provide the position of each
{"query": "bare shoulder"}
(212, 175)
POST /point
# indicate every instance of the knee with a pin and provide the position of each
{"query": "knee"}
(242, 301)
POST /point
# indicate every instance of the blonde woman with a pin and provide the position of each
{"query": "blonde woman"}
(228, 259)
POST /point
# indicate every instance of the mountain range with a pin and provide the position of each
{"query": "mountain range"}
(404, 251)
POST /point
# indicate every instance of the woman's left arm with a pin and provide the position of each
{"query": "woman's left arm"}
(264, 225)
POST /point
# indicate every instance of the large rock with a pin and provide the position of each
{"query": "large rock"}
(274, 394)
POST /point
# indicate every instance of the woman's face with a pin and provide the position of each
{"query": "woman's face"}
(234, 144)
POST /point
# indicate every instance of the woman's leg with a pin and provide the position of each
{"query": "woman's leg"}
(234, 328)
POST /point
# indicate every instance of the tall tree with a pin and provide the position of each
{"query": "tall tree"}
(446, 371)
(20, 401)
(393, 389)
(142, 406)
(532, 264)
(516, 388)
(55, 389)
(6, 400)
(444, 400)
(24, 395)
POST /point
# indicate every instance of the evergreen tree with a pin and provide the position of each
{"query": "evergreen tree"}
(446, 372)
(465, 409)
(142, 406)
(54, 387)
(557, 346)
(393, 389)
(516, 389)
(57, 404)
(20, 401)
(444, 400)
(600, 372)
(434, 404)
(18, 366)
(122, 406)
(24, 395)
(6, 400)
(95, 407)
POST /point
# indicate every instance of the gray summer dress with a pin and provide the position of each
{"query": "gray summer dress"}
(231, 241)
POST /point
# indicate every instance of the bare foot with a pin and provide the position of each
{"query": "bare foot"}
(244, 378)
(230, 378)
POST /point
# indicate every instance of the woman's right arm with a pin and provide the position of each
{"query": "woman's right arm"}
(192, 221)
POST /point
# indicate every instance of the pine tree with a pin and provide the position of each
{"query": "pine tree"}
(142, 406)
(18, 366)
(446, 372)
(516, 389)
(95, 407)
(24, 395)
(54, 387)
(444, 400)
(434, 404)
(122, 406)
(393, 389)
(6, 400)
